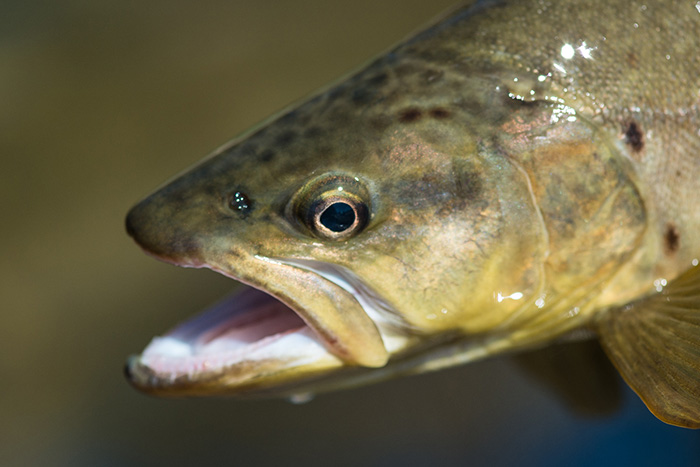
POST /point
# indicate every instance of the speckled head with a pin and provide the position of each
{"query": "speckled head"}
(394, 212)
(358, 209)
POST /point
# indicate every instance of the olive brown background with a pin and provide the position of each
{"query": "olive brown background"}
(102, 101)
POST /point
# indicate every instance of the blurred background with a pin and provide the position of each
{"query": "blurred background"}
(103, 100)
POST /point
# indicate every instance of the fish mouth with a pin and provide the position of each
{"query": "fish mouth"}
(253, 342)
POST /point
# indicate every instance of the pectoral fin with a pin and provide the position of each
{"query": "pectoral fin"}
(655, 344)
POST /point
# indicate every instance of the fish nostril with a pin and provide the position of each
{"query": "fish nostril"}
(240, 202)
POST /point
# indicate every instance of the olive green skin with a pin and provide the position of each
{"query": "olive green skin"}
(544, 151)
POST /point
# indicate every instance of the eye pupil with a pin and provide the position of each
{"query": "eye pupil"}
(338, 217)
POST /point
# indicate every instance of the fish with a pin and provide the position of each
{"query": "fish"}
(516, 175)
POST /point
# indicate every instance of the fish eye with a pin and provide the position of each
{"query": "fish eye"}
(332, 207)
(338, 217)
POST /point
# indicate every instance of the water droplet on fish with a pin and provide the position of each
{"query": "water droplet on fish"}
(659, 284)
(567, 51)
(301, 398)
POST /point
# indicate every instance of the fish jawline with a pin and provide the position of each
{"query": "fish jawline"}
(252, 336)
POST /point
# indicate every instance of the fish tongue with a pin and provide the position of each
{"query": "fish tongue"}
(250, 314)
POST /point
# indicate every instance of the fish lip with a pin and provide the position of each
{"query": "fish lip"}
(249, 370)
(388, 320)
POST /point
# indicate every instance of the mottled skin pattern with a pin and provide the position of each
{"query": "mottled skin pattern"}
(546, 149)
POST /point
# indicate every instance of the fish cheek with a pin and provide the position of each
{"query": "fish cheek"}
(454, 241)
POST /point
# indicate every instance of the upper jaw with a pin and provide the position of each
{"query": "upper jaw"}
(254, 343)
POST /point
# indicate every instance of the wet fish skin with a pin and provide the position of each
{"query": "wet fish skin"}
(526, 168)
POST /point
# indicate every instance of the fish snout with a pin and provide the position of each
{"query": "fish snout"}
(163, 229)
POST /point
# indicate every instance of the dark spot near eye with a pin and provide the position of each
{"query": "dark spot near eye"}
(439, 113)
(634, 137)
(672, 239)
(410, 115)
(285, 138)
(267, 155)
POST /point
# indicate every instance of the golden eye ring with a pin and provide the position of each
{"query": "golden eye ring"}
(338, 217)
(331, 206)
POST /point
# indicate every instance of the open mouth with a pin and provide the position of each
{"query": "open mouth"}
(252, 332)
(247, 326)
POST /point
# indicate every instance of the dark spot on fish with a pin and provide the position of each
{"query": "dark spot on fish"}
(437, 55)
(672, 239)
(410, 115)
(240, 202)
(632, 60)
(361, 96)
(336, 92)
(234, 253)
(313, 132)
(267, 155)
(433, 76)
(678, 173)
(285, 138)
(634, 137)
(468, 185)
(406, 69)
(378, 80)
(439, 113)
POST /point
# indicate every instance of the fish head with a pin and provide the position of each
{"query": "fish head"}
(381, 212)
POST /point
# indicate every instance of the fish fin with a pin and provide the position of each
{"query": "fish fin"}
(578, 373)
(655, 345)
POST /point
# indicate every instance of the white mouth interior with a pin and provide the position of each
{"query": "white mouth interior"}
(247, 326)
(253, 326)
